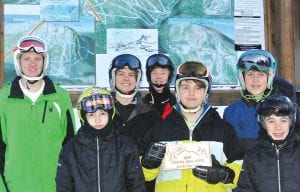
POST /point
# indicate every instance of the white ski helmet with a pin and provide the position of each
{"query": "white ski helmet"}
(192, 70)
(31, 43)
(119, 62)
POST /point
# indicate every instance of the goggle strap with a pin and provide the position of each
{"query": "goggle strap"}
(31, 43)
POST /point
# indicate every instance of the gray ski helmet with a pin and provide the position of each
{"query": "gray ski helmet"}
(257, 59)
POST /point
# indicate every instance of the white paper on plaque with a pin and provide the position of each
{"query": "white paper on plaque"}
(187, 155)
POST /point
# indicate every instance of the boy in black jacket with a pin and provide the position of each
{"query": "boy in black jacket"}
(98, 158)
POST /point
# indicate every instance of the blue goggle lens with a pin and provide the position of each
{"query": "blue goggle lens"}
(126, 60)
(161, 60)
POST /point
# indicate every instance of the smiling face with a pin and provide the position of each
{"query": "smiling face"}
(97, 119)
(126, 80)
(159, 76)
(192, 93)
(32, 63)
(277, 126)
(256, 82)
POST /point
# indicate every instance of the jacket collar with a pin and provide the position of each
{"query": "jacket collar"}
(140, 106)
(87, 137)
(16, 91)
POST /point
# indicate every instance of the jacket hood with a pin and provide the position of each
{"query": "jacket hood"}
(88, 135)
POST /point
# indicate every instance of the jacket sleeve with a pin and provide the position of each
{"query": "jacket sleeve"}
(2, 185)
(68, 119)
(135, 181)
(70, 128)
(150, 174)
(236, 166)
(2, 150)
(245, 182)
(64, 179)
(233, 148)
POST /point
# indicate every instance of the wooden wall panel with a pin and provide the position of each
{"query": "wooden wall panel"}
(280, 36)
(296, 25)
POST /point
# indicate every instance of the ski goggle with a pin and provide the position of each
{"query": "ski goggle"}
(191, 69)
(94, 102)
(260, 62)
(158, 59)
(126, 60)
(269, 107)
(28, 43)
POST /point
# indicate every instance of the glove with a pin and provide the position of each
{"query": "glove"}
(215, 174)
(153, 157)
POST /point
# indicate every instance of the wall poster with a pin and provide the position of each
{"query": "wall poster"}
(84, 35)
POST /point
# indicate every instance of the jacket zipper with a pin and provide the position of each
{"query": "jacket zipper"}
(278, 167)
(98, 165)
(44, 113)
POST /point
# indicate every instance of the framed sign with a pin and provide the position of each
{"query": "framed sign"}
(187, 155)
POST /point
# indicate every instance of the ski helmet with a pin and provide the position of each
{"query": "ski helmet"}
(259, 60)
(31, 43)
(94, 98)
(277, 105)
(192, 70)
(159, 60)
(120, 62)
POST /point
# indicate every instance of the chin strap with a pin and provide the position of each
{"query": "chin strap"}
(159, 85)
(40, 76)
(31, 82)
(182, 108)
(128, 96)
(245, 94)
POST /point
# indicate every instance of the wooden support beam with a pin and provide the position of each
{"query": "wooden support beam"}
(280, 36)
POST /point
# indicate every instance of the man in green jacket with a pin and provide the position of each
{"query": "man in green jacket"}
(36, 119)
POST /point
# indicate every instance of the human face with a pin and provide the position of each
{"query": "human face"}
(191, 95)
(256, 82)
(159, 76)
(32, 63)
(125, 80)
(277, 126)
(97, 119)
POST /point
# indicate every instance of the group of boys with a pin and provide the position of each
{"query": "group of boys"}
(30, 143)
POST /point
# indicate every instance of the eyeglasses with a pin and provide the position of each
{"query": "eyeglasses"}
(94, 102)
(28, 43)
(269, 107)
(126, 60)
(158, 59)
(261, 62)
(192, 69)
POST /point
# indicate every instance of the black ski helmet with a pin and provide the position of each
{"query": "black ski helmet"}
(159, 60)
